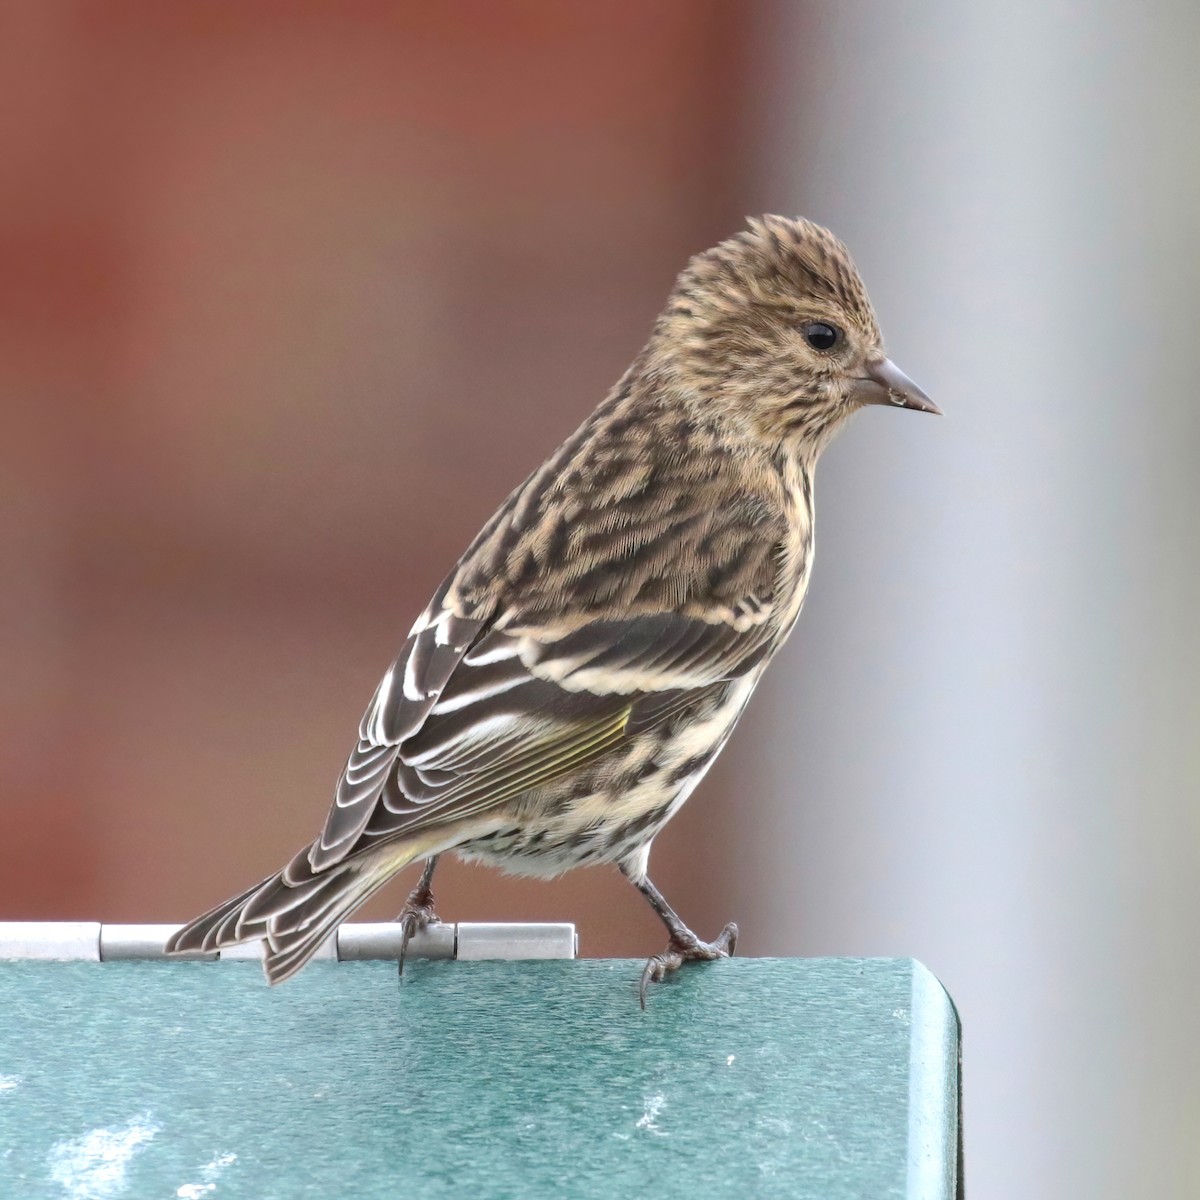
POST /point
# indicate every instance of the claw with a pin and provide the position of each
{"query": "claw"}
(417, 913)
(411, 921)
(685, 947)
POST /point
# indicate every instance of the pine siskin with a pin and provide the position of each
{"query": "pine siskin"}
(581, 667)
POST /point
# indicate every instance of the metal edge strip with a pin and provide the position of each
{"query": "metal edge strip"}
(94, 941)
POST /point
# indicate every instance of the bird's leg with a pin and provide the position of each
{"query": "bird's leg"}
(684, 945)
(418, 909)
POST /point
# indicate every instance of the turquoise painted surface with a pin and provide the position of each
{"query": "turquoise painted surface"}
(763, 1077)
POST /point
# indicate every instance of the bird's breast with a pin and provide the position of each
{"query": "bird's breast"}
(797, 551)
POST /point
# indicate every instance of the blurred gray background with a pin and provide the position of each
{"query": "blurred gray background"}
(292, 295)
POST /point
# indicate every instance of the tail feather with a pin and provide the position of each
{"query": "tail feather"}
(274, 901)
(294, 910)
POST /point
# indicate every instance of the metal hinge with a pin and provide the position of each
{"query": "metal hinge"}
(94, 941)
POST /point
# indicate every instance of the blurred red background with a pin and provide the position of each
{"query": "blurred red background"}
(292, 296)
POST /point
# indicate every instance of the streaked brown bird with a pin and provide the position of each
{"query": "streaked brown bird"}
(581, 667)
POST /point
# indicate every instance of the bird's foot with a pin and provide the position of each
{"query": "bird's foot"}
(417, 915)
(684, 947)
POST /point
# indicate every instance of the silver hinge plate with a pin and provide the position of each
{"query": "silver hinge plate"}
(94, 941)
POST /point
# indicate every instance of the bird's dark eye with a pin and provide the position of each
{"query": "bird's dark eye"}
(820, 335)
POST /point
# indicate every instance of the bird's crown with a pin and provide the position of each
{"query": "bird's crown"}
(781, 261)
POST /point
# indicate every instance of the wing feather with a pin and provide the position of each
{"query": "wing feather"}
(406, 693)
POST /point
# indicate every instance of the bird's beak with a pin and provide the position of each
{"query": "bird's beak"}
(885, 383)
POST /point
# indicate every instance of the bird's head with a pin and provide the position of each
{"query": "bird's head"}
(774, 328)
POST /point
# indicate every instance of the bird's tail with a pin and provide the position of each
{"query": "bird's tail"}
(294, 910)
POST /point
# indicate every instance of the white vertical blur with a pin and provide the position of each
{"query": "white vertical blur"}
(981, 747)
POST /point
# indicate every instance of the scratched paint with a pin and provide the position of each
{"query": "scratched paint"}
(94, 1165)
(209, 1174)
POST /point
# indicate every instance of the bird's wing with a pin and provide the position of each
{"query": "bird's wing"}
(454, 730)
(478, 709)
(407, 692)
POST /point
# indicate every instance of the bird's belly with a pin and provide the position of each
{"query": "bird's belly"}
(614, 806)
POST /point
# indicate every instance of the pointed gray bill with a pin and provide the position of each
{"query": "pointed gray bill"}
(885, 383)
